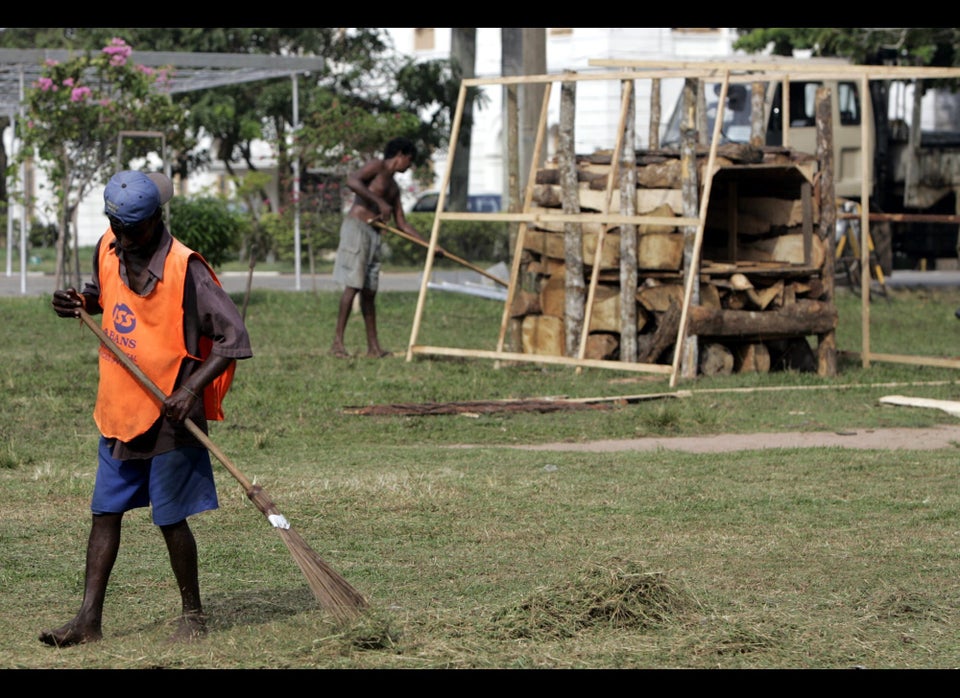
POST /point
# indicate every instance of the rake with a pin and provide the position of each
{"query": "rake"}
(448, 255)
(334, 593)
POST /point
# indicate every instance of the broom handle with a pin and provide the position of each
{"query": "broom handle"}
(150, 385)
(448, 255)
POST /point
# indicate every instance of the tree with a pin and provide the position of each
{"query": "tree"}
(365, 84)
(463, 49)
(938, 46)
(74, 116)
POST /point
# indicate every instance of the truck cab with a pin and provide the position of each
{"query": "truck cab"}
(914, 177)
(849, 111)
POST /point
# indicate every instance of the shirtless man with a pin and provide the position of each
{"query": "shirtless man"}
(357, 265)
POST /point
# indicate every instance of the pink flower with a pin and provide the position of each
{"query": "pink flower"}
(46, 84)
(68, 82)
(119, 51)
(79, 94)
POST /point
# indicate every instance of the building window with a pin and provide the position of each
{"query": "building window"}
(423, 39)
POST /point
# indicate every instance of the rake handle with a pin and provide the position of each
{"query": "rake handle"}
(153, 388)
(448, 255)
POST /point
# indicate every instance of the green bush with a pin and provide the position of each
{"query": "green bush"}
(43, 234)
(209, 226)
(479, 242)
(322, 231)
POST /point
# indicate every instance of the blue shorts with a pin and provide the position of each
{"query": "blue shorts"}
(177, 484)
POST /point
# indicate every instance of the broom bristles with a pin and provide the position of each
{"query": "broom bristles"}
(334, 593)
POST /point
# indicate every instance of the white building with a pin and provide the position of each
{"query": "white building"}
(567, 50)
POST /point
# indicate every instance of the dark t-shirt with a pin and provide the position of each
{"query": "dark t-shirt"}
(208, 311)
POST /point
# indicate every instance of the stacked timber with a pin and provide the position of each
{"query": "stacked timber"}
(760, 286)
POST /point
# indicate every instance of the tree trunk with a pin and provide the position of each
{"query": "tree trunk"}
(64, 237)
(534, 52)
(463, 50)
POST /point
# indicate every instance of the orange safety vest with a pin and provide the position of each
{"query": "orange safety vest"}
(148, 329)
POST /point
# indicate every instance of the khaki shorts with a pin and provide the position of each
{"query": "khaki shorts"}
(357, 264)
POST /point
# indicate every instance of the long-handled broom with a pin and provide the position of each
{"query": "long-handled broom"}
(332, 591)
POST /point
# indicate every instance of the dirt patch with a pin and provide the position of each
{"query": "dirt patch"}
(926, 439)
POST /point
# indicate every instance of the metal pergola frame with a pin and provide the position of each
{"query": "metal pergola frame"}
(190, 71)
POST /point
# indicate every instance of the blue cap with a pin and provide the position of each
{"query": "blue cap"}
(132, 196)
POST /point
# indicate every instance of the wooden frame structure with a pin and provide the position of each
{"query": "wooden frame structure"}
(765, 70)
(626, 74)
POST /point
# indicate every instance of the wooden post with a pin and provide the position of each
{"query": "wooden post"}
(758, 126)
(628, 233)
(692, 272)
(572, 232)
(690, 188)
(513, 190)
(654, 132)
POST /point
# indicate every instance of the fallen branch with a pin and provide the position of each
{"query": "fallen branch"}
(542, 404)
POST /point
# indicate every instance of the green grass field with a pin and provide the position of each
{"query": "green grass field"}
(477, 555)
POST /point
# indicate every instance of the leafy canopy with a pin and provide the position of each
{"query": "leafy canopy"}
(935, 46)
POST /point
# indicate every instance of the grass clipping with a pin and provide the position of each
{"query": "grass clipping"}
(617, 595)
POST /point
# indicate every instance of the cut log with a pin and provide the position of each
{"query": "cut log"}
(660, 252)
(783, 248)
(543, 334)
(550, 244)
(716, 360)
(525, 303)
(551, 196)
(650, 346)
(805, 317)
(762, 298)
(557, 226)
(553, 295)
(601, 346)
(752, 358)
(709, 296)
(605, 314)
(657, 298)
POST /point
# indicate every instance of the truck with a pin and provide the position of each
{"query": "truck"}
(913, 203)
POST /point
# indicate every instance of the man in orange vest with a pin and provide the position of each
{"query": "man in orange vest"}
(163, 305)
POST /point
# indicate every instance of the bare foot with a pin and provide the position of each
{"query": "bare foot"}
(379, 354)
(190, 628)
(70, 634)
(340, 352)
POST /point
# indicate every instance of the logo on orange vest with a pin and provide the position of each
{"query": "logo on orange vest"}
(123, 319)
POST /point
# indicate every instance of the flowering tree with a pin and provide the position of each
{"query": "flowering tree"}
(75, 113)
